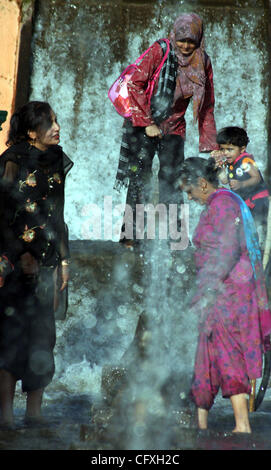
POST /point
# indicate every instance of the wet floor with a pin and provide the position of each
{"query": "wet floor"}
(62, 423)
(70, 426)
(75, 422)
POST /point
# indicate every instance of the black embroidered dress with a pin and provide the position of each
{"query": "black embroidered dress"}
(31, 221)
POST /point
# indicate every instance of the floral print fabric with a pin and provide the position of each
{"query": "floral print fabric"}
(234, 318)
(34, 195)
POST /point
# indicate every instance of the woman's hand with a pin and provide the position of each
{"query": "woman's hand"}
(153, 131)
(219, 157)
(64, 274)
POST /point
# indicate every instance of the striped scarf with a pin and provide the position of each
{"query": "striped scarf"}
(161, 102)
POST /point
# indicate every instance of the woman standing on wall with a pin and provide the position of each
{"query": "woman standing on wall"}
(187, 74)
(34, 243)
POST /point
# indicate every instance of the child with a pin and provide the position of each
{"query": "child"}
(240, 171)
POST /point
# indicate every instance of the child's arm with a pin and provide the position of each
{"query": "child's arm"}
(219, 157)
(254, 179)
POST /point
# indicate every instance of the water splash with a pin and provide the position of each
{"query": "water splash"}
(75, 61)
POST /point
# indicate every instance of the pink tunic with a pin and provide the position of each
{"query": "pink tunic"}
(234, 318)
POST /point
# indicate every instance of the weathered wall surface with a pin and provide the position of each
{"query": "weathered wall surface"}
(117, 30)
(15, 40)
(120, 19)
(79, 48)
(10, 20)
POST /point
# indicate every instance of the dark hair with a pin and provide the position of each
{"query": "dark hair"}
(33, 116)
(232, 135)
(197, 167)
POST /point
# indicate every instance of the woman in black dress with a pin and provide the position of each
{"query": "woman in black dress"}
(34, 254)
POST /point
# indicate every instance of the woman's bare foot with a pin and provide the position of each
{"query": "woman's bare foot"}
(244, 430)
(7, 390)
(240, 409)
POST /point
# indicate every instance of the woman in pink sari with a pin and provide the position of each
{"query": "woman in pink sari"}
(230, 300)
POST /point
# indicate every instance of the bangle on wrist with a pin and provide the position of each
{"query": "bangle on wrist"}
(65, 262)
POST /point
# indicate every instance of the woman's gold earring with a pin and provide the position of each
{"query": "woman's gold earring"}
(31, 140)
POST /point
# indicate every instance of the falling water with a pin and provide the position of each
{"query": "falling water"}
(161, 375)
(79, 48)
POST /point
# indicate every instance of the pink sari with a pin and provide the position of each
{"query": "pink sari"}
(234, 316)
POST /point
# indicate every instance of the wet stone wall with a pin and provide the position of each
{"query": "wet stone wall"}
(79, 48)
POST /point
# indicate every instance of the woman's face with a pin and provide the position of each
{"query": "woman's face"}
(44, 139)
(186, 46)
(197, 192)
